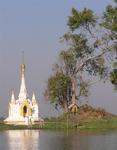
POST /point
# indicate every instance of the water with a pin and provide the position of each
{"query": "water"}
(57, 140)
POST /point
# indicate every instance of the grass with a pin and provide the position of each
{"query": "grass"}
(11, 127)
(89, 124)
(4, 126)
(98, 124)
(57, 125)
(64, 124)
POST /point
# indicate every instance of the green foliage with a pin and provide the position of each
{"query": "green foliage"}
(83, 88)
(78, 45)
(110, 20)
(110, 24)
(79, 19)
(79, 51)
(113, 77)
(58, 86)
(69, 61)
(97, 67)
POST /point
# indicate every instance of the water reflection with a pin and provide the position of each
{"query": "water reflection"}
(23, 140)
(57, 140)
(78, 141)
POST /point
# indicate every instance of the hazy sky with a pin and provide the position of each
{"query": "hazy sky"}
(35, 26)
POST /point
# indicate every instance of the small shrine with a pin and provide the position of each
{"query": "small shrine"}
(23, 110)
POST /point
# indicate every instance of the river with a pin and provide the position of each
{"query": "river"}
(57, 140)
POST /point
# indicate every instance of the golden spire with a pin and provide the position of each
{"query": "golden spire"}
(23, 65)
(23, 70)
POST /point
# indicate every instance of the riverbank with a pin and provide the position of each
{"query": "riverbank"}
(87, 118)
(57, 124)
(83, 125)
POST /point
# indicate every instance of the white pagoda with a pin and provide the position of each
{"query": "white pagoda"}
(23, 110)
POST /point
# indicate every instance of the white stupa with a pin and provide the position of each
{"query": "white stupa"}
(23, 110)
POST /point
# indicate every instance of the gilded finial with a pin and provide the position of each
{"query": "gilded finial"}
(23, 65)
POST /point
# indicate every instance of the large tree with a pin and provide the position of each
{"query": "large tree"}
(87, 47)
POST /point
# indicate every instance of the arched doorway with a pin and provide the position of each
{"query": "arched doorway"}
(25, 111)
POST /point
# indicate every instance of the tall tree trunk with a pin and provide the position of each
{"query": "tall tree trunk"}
(65, 106)
(73, 80)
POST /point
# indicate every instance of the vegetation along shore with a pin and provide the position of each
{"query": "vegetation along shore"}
(87, 118)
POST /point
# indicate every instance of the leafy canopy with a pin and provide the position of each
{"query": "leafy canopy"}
(58, 86)
(84, 18)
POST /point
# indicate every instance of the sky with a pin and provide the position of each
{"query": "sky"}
(35, 26)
